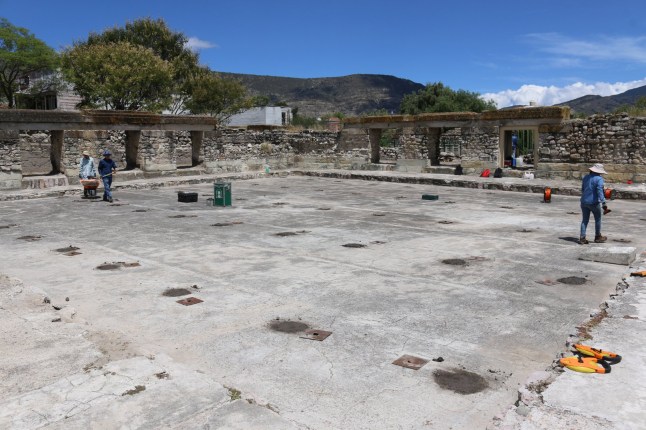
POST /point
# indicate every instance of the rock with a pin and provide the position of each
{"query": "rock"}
(46, 300)
(614, 255)
(522, 410)
(68, 314)
(67, 299)
(538, 379)
(438, 359)
(57, 319)
(527, 397)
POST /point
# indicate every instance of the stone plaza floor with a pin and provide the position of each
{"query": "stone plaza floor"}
(483, 286)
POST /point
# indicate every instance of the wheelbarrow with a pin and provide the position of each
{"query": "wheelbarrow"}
(89, 188)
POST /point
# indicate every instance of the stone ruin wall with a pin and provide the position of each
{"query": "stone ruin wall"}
(95, 142)
(164, 150)
(28, 153)
(157, 149)
(617, 141)
(238, 149)
(565, 151)
(10, 160)
(479, 145)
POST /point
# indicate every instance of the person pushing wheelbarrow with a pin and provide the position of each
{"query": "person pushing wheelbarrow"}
(87, 175)
(107, 169)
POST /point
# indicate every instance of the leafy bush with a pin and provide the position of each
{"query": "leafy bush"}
(636, 109)
(437, 97)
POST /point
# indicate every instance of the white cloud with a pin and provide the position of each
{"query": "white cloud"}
(604, 48)
(195, 44)
(547, 96)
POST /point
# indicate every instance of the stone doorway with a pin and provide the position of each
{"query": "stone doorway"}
(518, 147)
(132, 149)
(56, 151)
(197, 157)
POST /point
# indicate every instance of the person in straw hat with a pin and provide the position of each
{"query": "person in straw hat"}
(86, 166)
(593, 200)
(87, 170)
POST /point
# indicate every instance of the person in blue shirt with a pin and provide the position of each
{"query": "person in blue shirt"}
(514, 145)
(107, 169)
(593, 199)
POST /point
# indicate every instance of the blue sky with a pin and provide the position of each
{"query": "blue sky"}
(545, 51)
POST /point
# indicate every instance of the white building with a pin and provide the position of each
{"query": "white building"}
(47, 99)
(266, 115)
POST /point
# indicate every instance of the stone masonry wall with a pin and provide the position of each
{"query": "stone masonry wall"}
(95, 142)
(239, 149)
(480, 147)
(617, 141)
(565, 151)
(164, 150)
(412, 144)
(35, 149)
(10, 159)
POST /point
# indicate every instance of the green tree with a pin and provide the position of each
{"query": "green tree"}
(377, 112)
(119, 76)
(21, 53)
(261, 100)
(168, 45)
(437, 97)
(154, 34)
(217, 96)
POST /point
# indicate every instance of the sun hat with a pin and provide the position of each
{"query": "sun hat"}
(86, 152)
(598, 168)
(107, 152)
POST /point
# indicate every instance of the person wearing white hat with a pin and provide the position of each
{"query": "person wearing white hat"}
(87, 169)
(593, 200)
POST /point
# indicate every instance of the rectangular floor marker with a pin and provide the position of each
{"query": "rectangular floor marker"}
(319, 335)
(189, 301)
(410, 362)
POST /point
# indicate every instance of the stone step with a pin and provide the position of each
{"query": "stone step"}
(134, 174)
(446, 170)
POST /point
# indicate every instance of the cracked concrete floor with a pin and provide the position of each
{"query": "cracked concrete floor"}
(488, 318)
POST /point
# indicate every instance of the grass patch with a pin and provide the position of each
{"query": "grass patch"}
(234, 394)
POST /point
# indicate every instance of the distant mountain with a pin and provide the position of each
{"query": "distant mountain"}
(352, 95)
(592, 104)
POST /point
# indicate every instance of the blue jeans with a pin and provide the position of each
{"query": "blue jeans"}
(107, 182)
(596, 211)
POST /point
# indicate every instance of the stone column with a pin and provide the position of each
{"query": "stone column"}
(132, 148)
(375, 137)
(196, 145)
(56, 151)
(433, 145)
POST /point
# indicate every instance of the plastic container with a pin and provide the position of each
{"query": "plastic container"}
(222, 194)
